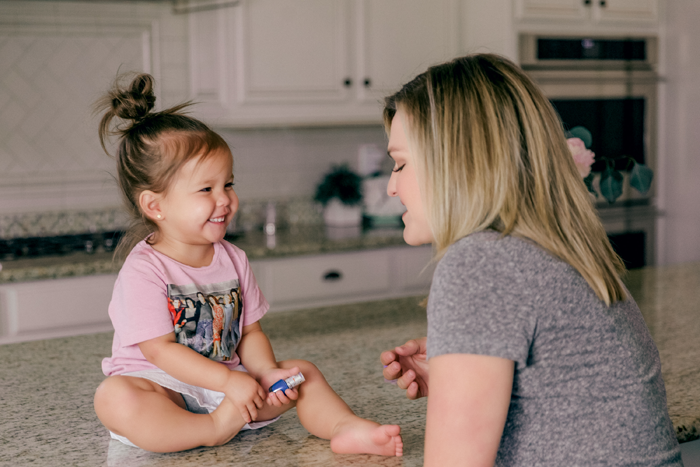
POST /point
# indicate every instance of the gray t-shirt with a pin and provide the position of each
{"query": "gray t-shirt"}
(587, 387)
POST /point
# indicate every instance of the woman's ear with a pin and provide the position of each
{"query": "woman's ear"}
(150, 205)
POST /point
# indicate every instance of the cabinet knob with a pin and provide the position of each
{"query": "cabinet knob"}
(332, 276)
(586, 2)
(602, 3)
(347, 82)
(368, 82)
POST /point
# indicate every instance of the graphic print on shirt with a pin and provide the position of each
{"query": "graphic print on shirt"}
(206, 318)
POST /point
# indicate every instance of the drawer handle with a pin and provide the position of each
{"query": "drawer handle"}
(332, 276)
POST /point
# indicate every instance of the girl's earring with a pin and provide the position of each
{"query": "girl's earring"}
(159, 217)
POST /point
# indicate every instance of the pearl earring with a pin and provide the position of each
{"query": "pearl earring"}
(159, 216)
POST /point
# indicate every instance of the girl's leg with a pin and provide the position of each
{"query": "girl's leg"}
(324, 414)
(155, 418)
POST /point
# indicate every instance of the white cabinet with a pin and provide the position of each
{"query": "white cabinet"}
(55, 308)
(590, 12)
(275, 62)
(302, 282)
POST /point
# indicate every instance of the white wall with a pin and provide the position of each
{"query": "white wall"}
(57, 59)
(678, 175)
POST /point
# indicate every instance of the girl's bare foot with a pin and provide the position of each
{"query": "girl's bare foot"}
(227, 423)
(360, 436)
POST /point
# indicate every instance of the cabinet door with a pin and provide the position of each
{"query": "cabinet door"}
(292, 51)
(626, 10)
(554, 9)
(397, 39)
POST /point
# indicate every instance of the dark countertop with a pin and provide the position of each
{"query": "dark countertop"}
(47, 387)
(294, 241)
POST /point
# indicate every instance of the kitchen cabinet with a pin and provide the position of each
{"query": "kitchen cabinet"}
(320, 280)
(55, 308)
(51, 308)
(272, 62)
(591, 12)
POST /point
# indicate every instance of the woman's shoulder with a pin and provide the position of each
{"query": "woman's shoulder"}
(503, 257)
(493, 246)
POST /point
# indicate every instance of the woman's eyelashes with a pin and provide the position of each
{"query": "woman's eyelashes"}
(398, 169)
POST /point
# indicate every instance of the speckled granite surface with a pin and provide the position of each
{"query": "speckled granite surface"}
(293, 241)
(46, 391)
(46, 387)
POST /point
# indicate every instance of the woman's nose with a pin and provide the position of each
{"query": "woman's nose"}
(391, 186)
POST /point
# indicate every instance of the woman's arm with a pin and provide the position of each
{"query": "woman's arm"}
(467, 409)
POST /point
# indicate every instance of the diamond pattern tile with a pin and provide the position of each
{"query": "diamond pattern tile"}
(48, 83)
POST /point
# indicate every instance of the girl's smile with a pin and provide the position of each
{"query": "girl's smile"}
(196, 209)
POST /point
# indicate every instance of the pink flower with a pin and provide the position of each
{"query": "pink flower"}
(583, 158)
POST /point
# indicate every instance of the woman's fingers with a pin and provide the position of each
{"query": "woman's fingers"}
(412, 391)
(392, 371)
(406, 379)
(387, 357)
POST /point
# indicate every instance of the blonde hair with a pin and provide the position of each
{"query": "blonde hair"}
(152, 147)
(490, 152)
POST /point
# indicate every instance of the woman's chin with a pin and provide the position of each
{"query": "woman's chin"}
(413, 239)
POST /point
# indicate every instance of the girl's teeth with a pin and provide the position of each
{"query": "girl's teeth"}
(217, 219)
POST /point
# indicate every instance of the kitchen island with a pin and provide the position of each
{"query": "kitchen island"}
(46, 387)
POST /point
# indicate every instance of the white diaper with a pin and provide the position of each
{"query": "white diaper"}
(198, 400)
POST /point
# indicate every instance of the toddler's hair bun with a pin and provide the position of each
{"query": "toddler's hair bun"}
(136, 101)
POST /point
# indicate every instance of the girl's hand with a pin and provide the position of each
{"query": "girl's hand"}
(279, 398)
(246, 394)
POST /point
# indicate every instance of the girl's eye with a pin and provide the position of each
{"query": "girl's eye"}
(398, 169)
(229, 185)
(207, 189)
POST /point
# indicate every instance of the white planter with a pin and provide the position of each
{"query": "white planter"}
(337, 214)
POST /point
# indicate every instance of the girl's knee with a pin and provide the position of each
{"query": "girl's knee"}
(308, 369)
(117, 398)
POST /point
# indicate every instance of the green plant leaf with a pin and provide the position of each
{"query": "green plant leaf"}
(583, 134)
(611, 184)
(341, 183)
(641, 177)
(589, 183)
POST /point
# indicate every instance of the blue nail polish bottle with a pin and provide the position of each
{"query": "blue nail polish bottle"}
(289, 383)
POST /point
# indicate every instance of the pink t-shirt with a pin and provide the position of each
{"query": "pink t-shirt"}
(206, 307)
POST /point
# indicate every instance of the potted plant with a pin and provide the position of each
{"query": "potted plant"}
(340, 193)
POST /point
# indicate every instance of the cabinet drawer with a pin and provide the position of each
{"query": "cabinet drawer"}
(55, 308)
(304, 279)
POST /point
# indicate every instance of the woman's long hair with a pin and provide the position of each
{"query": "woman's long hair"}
(490, 152)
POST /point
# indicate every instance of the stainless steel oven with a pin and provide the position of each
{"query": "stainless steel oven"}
(609, 86)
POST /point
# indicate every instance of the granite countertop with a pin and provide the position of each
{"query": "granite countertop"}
(292, 241)
(46, 387)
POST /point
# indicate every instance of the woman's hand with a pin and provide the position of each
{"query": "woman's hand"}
(246, 394)
(270, 377)
(408, 365)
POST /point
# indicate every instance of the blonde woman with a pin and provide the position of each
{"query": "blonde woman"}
(535, 354)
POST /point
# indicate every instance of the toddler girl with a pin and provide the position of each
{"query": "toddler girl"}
(170, 392)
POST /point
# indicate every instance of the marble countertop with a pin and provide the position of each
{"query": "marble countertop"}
(292, 241)
(46, 387)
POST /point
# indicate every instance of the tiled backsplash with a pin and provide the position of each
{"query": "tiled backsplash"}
(250, 216)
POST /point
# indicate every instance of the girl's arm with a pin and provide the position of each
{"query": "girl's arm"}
(257, 357)
(190, 367)
(467, 409)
